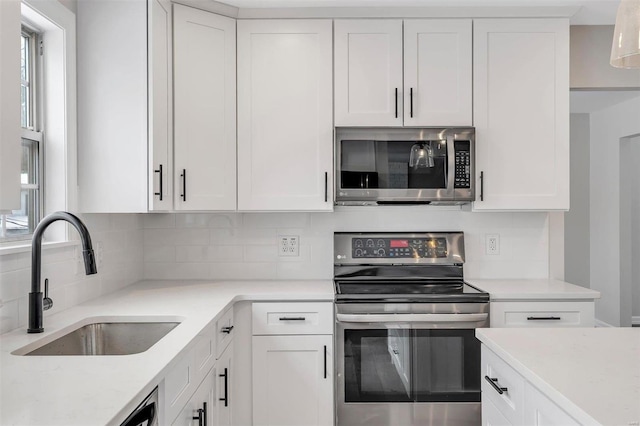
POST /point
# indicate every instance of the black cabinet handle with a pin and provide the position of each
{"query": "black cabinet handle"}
(411, 102)
(184, 184)
(292, 318)
(396, 102)
(160, 172)
(494, 383)
(326, 186)
(481, 186)
(226, 388)
(543, 318)
(202, 415)
(227, 330)
(325, 361)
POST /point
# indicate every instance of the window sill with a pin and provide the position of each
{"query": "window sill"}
(23, 246)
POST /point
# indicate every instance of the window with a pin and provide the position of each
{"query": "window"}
(19, 224)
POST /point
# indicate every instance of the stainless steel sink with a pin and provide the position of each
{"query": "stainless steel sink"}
(107, 338)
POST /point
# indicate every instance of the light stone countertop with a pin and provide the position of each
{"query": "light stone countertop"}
(591, 373)
(100, 390)
(541, 289)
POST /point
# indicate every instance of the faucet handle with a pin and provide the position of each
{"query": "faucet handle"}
(47, 302)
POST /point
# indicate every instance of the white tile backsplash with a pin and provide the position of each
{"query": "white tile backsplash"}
(245, 245)
(228, 246)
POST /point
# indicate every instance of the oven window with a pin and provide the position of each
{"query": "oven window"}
(407, 365)
(447, 365)
(377, 366)
(368, 164)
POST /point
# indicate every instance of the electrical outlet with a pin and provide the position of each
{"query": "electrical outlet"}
(289, 245)
(492, 244)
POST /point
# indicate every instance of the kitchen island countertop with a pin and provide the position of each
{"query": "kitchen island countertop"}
(593, 374)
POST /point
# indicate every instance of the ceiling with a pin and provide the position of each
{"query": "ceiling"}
(591, 12)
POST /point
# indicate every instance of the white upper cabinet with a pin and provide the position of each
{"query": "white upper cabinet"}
(124, 105)
(368, 72)
(521, 114)
(285, 129)
(376, 84)
(437, 72)
(205, 110)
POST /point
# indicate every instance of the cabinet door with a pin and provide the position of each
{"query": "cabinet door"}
(541, 411)
(293, 380)
(205, 117)
(160, 105)
(113, 135)
(203, 399)
(224, 388)
(437, 72)
(285, 131)
(521, 114)
(491, 416)
(368, 72)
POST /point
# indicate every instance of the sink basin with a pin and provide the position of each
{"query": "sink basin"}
(107, 338)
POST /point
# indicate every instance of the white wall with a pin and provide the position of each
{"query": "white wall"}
(635, 228)
(576, 223)
(244, 245)
(120, 264)
(608, 126)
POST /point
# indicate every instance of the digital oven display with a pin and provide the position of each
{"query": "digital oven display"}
(388, 248)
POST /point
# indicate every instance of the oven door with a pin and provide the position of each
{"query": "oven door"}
(408, 373)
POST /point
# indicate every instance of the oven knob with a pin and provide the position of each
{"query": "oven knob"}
(380, 243)
(381, 252)
(359, 243)
(369, 243)
(358, 253)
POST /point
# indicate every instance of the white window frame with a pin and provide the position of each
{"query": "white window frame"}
(57, 25)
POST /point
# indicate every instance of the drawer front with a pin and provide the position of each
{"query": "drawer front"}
(224, 332)
(511, 402)
(542, 314)
(205, 351)
(292, 318)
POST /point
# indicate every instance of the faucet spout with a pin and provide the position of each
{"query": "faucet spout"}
(36, 306)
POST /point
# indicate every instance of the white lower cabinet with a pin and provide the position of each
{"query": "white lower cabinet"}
(292, 380)
(200, 410)
(292, 359)
(509, 399)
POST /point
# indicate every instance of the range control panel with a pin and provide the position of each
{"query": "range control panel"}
(393, 248)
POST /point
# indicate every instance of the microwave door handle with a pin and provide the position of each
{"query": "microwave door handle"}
(435, 318)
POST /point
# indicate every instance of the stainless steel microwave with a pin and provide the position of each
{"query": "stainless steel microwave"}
(405, 166)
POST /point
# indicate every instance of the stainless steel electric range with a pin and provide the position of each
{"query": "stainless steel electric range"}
(406, 352)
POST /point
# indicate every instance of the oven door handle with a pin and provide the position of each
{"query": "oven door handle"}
(435, 318)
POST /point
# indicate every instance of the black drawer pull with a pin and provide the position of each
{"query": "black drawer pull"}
(494, 383)
(226, 387)
(292, 319)
(226, 329)
(543, 318)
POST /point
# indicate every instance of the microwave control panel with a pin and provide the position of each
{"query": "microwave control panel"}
(463, 164)
(394, 248)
